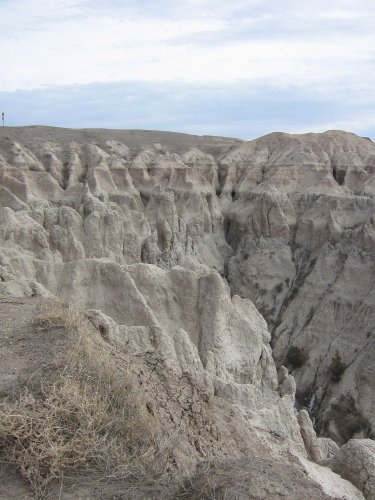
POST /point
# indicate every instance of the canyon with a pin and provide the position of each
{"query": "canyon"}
(236, 278)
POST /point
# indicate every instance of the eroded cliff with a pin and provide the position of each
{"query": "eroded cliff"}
(175, 242)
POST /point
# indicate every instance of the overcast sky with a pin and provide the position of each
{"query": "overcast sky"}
(240, 68)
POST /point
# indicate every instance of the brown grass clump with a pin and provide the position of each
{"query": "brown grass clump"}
(89, 419)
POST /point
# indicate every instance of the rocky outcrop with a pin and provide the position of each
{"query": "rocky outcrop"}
(302, 228)
(318, 449)
(175, 242)
(239, 453)
(287, 220)
(355, 462)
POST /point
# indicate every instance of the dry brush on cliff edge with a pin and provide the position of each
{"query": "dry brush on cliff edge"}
(87, 419)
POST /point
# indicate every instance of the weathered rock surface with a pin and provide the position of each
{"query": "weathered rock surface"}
(318, 449)
(238, 457)
(301, 225)
(175, 242)
(355, 462)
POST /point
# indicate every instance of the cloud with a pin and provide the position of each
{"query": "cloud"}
(317, 55)
(71, 41)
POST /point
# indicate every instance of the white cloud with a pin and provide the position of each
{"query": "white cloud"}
(326, 50)
(360, 123)
(45, 42)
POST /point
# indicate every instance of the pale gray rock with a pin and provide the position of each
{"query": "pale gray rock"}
(318, 449)
(191, 424)
(202, 251)
(355, 462)
(288, 220)
(287, 384)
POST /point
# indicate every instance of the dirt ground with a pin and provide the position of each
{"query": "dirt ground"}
(26, 345)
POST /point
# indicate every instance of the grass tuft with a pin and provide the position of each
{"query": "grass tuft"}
(89, 419)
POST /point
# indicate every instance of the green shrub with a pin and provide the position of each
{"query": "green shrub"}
(279, 288)
(296, 357)
(337, 368)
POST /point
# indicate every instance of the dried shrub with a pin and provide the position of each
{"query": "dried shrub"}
(296, 357)
(90, 418)
(59, 315)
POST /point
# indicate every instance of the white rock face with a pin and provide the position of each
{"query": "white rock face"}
(318, 449)
(191, 425)
(175, 242)
(302, 226)
(355, 462)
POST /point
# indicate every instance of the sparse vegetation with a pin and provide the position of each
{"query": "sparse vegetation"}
(337, 368)
(296, 357)
(88, 419)
(279, 288)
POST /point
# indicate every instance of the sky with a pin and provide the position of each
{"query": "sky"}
(241, 68)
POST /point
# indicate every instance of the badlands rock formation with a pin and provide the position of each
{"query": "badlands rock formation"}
(355, 462)
(238, 456)
(205, 250)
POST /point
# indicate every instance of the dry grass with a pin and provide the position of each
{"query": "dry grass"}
(210, 483)
(91, 417)
(59, 314)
